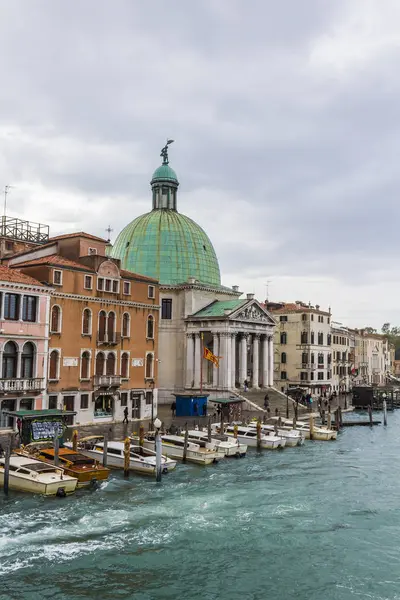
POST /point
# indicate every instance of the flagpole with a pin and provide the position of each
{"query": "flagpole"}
(201, 361)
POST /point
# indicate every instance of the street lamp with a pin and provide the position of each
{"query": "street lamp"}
(151, 384)
(157, 423)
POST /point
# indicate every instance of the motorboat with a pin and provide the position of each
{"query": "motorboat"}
(319, 433)
(27, 474)
(293, 437)
(86, 469)
(173, 446)
(248, 435)
(141, 460)
(219, 443)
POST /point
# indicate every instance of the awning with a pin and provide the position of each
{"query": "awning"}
(34, 414)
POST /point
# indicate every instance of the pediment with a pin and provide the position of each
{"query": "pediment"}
(253, 312)
(108, 269)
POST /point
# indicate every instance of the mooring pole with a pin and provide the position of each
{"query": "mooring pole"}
(7, 467)
(185, 443)
(370, 415)
(75, 440)
(105, 449)
(384, 412)
(141, 435)
(127, 456)
(158, 456)
(259, 434)
(56, 449)
(209, 429)
(311, 426)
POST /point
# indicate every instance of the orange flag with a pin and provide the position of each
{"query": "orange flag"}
(208, 355)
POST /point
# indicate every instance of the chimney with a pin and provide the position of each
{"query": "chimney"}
(192, 280)
(235, 288)
(250, 296)
(317, 306)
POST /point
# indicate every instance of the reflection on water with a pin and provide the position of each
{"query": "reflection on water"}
(317, 522)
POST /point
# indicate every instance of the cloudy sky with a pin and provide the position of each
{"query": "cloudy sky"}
(286, 121)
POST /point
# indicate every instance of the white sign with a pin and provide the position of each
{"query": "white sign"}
(70, 362)
(137, 362)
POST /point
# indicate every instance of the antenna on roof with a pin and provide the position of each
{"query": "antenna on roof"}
(109, 231)
(7, 189)
(267, 289)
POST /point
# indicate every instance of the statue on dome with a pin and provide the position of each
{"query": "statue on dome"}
(164, 152)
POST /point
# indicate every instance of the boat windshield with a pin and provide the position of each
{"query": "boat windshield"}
(39, 468)
(78, 459)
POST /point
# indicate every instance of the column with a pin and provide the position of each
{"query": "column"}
(256, 361)
(264, 350)
(197, 358)
(189, 360)
(225, 363)
(243, 359)
(270, 362)
(216, 353)
(233, 361)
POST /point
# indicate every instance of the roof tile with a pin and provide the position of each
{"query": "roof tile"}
(15, 276)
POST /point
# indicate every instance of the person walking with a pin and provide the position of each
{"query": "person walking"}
(173, 409)
(125, 415)
(266, 401)
(245, 385)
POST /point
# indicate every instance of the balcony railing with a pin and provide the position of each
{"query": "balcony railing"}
(35, 384)
(107, 381)
(108, 340)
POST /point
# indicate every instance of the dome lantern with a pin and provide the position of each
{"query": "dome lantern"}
(164, 184)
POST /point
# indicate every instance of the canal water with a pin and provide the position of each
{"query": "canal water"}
(321, 522)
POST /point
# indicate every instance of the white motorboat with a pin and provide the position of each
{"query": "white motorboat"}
(293, 437)
(141, 460)
(320, 433)
(248, 435)
(172, 446)
(30, 475)
(219, 443)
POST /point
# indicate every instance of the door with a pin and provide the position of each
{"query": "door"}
(6, 421)
(69, 404)
(136, 406)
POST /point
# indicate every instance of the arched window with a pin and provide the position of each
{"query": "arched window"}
(304, 337)
(85, 365)
(149, 365)
(284, 338)
(87, 322)
(126, 325)
(150, 327)
(100, 360)
(10, 358)
(110, 367)
(304, 358)
(54, 364)
(28, 361)
(283, 357)
(55, 325)
(102, 325)
(111, 326)
(125, 365)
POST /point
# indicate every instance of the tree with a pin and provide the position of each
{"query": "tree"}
(370, 330)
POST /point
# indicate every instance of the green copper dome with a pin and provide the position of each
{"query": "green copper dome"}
(169, 247)
(165, 173)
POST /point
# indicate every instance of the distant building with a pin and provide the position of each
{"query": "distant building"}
(372, 358)
(303, 351)
(103, 330)
(343, 358)
(17, 235)
(24, 340)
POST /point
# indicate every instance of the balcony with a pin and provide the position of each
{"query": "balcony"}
(107, 381)
(108, 340)
(22, 385)
(309, 366)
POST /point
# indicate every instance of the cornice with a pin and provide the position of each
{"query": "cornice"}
(105, 301)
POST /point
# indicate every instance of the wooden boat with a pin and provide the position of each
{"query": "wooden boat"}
(87, 470)
(30, 475)
(172, 446)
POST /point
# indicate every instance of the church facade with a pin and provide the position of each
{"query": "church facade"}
(197, 313)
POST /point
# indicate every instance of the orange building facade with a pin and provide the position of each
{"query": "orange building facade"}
(103, 322)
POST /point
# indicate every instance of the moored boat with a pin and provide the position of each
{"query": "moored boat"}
(219, 443)
(293, 437)
(248, 435)
(173, 446)
(30, 475)
(320, 433)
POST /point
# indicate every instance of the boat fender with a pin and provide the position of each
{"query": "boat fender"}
(61, 493)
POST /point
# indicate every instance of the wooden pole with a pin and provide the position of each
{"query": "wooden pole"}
(294, 421)
(56, 450)
(258, 434)
(222, 420)
(370, 415)
(141, 435)
(340, 417)
(287, 404)
(209, 429)
(311, 426)
(75, 440)
(235, 431)
(201, 361)
(337, 419)
(105, 449)
(7, 467)
(127, 456)
(384, 412)
(185, 443)
(158, 456)
(329, 420)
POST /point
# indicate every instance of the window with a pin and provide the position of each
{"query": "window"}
(329, 359)
(84, 401)
(312, 376)
(283, 318)
(125, 365)
(329, 339)
(115, 286)
(108, 285)
(320, 375)
(85, 365)
(149, 397)
(100, 283)
(54, 365)
(127, 288)
(312, 337)
(151, 291)
(29, 308)
(304, 337)
(320, 339)
(55, 324)
(124, 398)
(126, 325)
(284, 337)
(312, 317)
(303, 376)
(88, 282)
(111, 326)
(283, 375)
(57, 277)
(100, 361)
(320, 359)
(149, 365)
(166, 308)
(52, 402)
(304, 317)
(102, 326)
(10, 359)
(150, 327)
(11, 306)
(28, 361)
(110, 365)
(329, 375)
(92, 251)
(283, 357)
(304, 358)
(9, 246)
(87, 322)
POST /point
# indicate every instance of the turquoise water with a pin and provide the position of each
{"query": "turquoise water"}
(317, 522)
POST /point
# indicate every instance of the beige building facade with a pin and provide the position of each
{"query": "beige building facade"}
(373, 358)
(343, 358)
